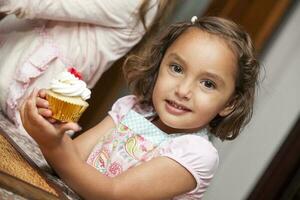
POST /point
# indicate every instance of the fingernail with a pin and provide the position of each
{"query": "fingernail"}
(46, 104)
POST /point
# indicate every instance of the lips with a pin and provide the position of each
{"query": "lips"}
(176, 108)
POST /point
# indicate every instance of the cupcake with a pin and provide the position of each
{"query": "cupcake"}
(67, 96)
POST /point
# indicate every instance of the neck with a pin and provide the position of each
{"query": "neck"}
(169, 130)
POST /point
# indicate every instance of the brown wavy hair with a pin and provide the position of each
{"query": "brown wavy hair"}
(141, 71)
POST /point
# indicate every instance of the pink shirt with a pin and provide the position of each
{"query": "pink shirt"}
(136, 140)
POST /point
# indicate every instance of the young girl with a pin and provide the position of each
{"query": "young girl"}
(199, 78)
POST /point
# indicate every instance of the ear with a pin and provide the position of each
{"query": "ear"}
(229, 108)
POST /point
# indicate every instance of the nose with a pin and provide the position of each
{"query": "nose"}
(184, 90)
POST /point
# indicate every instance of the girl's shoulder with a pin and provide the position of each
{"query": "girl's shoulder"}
(123, 105)
(193, 145)
(194, 152)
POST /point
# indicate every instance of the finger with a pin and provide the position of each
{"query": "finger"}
(34, 94)
(26, 117)
(24, 108)
(21, 110)
(42, 103)
(45, 112)
(42, 93)
(32, 115)
(29, 111)
(69, 126)
(22, 102)
(51, 120)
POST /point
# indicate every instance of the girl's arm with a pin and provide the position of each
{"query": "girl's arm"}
(87, 140)
(160, 178)
(110, 13)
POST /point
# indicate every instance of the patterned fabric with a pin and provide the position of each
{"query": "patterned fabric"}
(139, 124)
(122, 148)
(134, 141)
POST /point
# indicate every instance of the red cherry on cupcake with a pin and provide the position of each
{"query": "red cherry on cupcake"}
(76, 73)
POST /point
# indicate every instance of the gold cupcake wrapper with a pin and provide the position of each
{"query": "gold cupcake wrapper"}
(65, 111)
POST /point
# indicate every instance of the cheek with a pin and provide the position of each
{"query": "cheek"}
(159, 86)
(156, 93)
(208, 106)
(160, 91)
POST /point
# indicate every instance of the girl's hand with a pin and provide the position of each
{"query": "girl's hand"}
(42, 131)
(43, 106)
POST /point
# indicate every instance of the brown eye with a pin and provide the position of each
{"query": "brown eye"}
(176, 68)
(209, 84)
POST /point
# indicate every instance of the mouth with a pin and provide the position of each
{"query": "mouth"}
(177, 107)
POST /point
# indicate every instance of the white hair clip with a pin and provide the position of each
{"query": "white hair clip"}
(194, 19)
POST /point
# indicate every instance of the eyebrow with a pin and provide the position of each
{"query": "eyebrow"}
(206, 73)
(177, 57)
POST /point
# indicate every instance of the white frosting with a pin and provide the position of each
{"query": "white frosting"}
(69, 85)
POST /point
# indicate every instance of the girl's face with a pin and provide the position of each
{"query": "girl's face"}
(196, 82)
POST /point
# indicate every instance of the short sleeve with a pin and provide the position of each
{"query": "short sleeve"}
(121, 107)
(197, 155)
